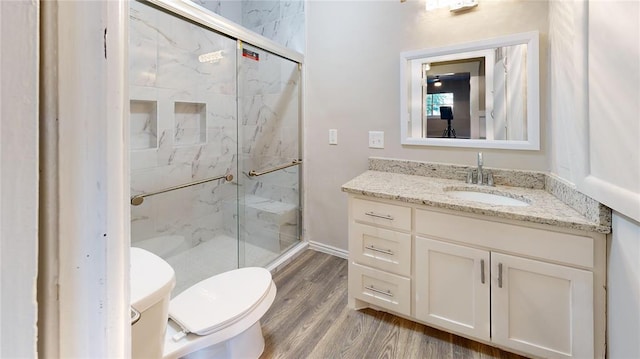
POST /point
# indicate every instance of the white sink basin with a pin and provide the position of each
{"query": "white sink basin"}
(488, 198)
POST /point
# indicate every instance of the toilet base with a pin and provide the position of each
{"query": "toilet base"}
(248, 344)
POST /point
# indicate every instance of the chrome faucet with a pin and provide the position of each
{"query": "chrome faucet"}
(480, 180)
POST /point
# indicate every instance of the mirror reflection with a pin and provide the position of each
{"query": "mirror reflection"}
(461, 87)
(453, 86)
(472, 95)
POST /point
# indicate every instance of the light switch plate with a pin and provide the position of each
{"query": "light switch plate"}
(376, 139)
(333, 136)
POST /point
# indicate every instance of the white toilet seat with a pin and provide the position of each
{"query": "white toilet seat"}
(220, 300)
(218, 308)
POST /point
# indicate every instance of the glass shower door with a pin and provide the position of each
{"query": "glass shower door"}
(269, 145)
(183, 130)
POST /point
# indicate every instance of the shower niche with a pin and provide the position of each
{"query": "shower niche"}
(214, 146)
(190, 123)
(143, 124)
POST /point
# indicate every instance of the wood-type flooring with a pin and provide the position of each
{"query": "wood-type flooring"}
(310, 319)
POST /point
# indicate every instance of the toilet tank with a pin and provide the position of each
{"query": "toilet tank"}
(152, 280)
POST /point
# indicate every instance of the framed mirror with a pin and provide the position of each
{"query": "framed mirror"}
(482, 94)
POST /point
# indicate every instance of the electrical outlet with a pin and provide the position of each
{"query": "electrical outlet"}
(333, 137)
(376, 139)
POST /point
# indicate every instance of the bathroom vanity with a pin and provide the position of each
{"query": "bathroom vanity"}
(530, 279)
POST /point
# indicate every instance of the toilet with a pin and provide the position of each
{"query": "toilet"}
(218, 317)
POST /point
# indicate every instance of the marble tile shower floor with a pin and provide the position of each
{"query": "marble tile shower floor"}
(214, 256)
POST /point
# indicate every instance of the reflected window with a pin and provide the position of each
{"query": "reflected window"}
(435, 100)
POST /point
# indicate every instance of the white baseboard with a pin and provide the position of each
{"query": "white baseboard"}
(324, 248)
(286, 258)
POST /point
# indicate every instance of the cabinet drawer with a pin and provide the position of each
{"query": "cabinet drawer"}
(531, 242)
(379, 288)
(381, 214)
(380, 248)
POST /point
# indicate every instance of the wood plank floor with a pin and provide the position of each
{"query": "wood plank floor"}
(310, 319)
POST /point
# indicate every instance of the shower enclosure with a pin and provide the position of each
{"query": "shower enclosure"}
(215, 150)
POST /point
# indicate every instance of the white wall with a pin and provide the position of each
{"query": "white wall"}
(619, 150)
(352, 84)
(568, 82)
(93, 212)
(18, 178)
(594, 92)
(624, 289)
(613, 172)
(594, 131)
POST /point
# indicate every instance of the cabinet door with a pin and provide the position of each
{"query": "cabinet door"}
(452, 287)
(541, 308)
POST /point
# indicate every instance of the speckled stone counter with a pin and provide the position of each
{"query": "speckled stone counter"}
(427, 184)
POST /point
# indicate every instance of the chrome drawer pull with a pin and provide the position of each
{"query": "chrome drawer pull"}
(383, 216)
(385, 251)
(373, 289)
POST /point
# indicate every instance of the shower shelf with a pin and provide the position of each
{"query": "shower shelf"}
(143, 124)
(190, 123)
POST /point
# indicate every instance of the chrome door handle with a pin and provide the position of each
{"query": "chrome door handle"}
(385, 251)
(383, 216)
(499, 275)
(254, 173)
(373, 289)
(482, 271)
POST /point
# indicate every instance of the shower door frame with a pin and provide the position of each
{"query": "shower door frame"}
(207, 19)
(253, 172)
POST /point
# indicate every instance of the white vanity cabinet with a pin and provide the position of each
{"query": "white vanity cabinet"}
(536, 307)
(529, 288)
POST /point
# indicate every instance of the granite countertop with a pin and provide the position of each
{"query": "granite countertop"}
(544, 208)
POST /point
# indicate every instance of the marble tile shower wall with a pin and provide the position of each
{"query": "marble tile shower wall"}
(183, 125)
(279, 20)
